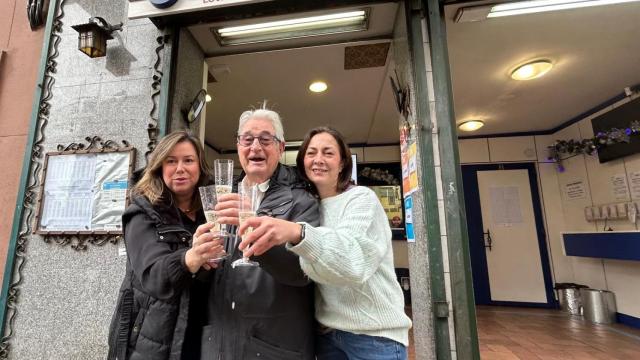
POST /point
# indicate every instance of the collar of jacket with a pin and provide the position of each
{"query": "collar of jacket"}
(284, 175)
(161, 213)
(278, 198)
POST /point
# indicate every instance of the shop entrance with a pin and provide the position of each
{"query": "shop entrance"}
(354, 66)
(509, 255)
(369, 77)
(357, 69)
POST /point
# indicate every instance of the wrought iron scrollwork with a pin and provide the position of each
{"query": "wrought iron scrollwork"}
(402, 95)
(94, 143)
(37, 153)
(152, 128)
(36, 16)
(79, 242)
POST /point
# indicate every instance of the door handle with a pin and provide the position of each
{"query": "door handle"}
(486, 239)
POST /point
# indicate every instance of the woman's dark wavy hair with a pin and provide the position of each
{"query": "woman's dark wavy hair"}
(344, 178)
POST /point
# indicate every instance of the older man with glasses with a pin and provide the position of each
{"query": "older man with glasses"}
(263, 312)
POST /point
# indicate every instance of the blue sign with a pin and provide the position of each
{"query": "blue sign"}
(114, 185)
(408, 218)
(411, 237)
(163, 4)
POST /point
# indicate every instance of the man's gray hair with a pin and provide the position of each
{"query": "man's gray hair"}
(263, 113)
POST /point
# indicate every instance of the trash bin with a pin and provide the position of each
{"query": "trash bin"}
(569, 297)
(599, 306)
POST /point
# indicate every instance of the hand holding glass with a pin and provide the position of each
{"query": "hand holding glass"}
(247, 209)
(209, 199)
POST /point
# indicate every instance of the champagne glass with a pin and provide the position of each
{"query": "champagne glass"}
(248, 206)
(223, 175)
(223, 178)
(209, 199)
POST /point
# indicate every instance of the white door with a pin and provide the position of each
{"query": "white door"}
(513, 262)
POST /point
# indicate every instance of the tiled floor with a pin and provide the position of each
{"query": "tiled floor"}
(517, 333)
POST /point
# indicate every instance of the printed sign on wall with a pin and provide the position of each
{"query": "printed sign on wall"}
(408, 218)
(619, 188)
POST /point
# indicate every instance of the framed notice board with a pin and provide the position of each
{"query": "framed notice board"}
(84, 191)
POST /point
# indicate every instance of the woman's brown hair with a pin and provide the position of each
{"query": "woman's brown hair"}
(344, 178)
(152, 186)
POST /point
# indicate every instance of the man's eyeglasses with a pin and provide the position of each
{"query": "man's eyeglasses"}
(264, 140)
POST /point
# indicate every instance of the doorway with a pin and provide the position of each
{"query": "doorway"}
(509, 258)
(358, 99)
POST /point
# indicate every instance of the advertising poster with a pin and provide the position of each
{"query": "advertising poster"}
(409, 163)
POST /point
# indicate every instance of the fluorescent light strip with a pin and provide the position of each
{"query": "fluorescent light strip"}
(338, 18)
(530, 7)
(305, 26)
(532, 4)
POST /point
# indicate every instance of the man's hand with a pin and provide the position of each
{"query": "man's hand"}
(267, 233)
(227, 209)
(206, 245)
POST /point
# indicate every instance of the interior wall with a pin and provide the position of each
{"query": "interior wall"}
(567, 215)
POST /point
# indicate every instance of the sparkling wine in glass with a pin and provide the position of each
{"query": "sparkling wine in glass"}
(209, 199)
(248, 206)
(223, 178)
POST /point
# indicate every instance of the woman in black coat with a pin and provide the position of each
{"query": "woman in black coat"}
(161, 303)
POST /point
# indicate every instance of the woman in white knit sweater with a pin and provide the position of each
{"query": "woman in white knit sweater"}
(359, 303)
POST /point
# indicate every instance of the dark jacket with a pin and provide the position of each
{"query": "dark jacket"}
(152, 310)
(265, 312)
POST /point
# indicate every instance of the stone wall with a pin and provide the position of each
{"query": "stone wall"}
(66, 297)
(18, 72)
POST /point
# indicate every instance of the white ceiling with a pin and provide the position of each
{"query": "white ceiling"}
(358, 102)
(351, 104)
(596, 52)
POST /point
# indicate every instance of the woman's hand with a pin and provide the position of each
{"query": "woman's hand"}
(206, 245)
(227, 209)
(267, 233)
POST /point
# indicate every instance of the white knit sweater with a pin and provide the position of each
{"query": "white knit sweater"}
(351, 260)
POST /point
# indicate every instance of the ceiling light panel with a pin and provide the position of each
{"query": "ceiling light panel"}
(471, 125)
(482, 12)
(531, 70)
(293, 28)
(537, 6)
(318, 86)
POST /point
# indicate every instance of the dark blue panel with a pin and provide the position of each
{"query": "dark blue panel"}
(608, 245)
(481, 290)
(628, 320)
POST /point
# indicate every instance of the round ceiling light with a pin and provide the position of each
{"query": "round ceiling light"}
(531, 70)
(208, 98)
(471, 125)
(318, 86)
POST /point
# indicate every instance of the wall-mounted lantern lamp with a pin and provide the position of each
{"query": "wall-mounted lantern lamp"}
(93, 36)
